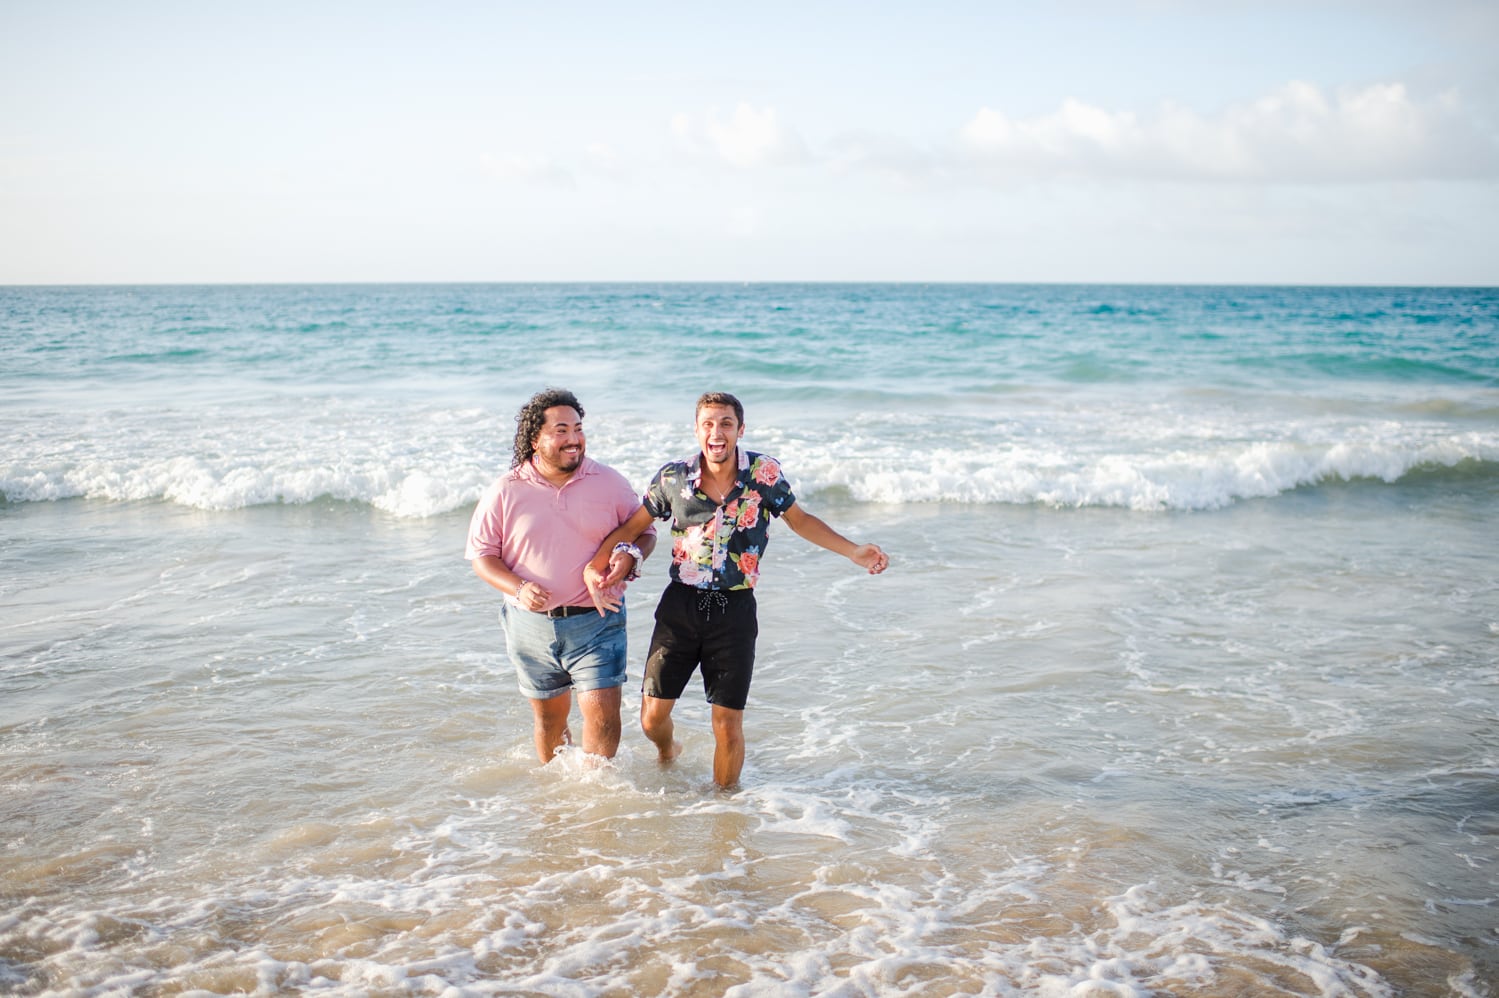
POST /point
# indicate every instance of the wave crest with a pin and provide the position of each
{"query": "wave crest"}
(1175, 481)
(433, 485)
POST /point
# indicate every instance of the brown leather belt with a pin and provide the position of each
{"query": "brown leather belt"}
(569, 611)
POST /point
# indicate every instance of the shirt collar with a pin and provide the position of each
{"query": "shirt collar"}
(528, 472)
(695, 465)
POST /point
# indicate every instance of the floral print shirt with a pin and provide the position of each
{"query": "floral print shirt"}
(719, 546)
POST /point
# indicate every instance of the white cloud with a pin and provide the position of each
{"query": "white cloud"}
(603, 157)
(897, 158)
(749, 139)
(532, 170)
(1297, 134)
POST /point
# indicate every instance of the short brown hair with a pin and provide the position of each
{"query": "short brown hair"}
(719, 398)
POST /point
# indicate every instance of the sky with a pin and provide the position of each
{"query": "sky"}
(1310, 142)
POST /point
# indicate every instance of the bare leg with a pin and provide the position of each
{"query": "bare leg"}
(655, 721)
(600, 710)
(728, 750)
(549, 726)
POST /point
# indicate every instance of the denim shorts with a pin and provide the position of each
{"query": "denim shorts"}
(555, 655)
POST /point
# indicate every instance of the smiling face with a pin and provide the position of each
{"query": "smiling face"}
(559, 443)
(718, 433)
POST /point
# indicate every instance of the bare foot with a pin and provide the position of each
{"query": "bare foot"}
(672, 753)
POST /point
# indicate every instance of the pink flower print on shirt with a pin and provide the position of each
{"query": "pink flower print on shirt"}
(719, 546)
(693, 568)
(719, 530)
(749, 512)
(766, 470)
(749, 564)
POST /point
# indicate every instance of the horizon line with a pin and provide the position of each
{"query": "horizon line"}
(902, 282)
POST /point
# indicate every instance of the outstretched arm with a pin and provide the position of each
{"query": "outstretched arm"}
(867, 556)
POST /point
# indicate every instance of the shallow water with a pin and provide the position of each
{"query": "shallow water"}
(1184, 678)
(1222, 753)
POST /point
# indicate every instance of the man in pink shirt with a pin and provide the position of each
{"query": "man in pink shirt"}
(531, 534)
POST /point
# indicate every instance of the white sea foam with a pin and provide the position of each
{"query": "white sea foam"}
(609, 926)
(422, 463)
(920, 815)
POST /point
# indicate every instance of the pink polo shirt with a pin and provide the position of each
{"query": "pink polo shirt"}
(546, 534)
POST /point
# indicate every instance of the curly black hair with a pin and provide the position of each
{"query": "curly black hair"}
(532, 417)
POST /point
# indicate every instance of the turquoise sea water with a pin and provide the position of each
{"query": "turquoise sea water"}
(1184, 678)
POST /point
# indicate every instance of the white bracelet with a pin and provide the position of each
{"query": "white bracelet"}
(634, 552)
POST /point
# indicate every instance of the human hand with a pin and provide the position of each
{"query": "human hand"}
(871, 557)
(606, 598)
(531, 597)
(621, 567)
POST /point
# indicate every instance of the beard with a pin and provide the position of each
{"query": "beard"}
(562, 460)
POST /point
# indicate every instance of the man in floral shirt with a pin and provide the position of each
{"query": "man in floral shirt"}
(720, 503)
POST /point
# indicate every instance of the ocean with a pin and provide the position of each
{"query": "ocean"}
(1184, 678)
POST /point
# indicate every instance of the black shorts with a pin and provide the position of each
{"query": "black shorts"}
(709, 627)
